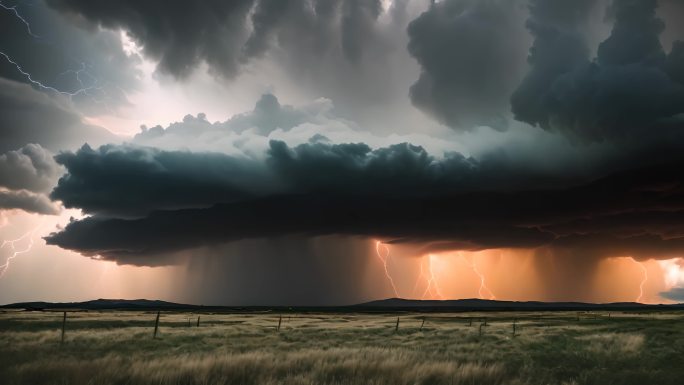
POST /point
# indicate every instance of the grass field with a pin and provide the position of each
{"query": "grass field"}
(547, 348)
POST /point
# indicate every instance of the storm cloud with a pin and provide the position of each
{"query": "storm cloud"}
(399, 194)
(227, 34)
(551, 126)
(351, 51)
(631, 90)
(471, 57)
(119, 180)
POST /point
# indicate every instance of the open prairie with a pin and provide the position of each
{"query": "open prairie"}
(116, 347)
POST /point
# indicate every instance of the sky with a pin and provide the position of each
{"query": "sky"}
(331, 152)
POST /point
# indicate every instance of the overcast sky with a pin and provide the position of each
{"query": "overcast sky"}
(309, 152)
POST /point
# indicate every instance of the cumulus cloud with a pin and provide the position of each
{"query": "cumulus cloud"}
(27, 201)
(267, 116)
(30, 168)
(26, 175)
(629, 92)
(249, 134)
(471, 54)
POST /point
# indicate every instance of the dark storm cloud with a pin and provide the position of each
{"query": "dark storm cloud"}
(626, 93)
(30, 116)
(177, 33)
(147, 201)
(59, 54)
(559, 47)
(398, 193)
(349, 51)
(471, 56)
(358, 21)
(225, 34)
(129, 180)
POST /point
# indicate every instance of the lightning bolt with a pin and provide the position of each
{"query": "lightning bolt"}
(432, 285)
(83, 90)
(15, 253)
(78, 73)
(14, 10)
(483, 285)
(644, 279)
(385, 259)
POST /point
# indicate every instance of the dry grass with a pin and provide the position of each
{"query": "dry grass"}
(117, 348)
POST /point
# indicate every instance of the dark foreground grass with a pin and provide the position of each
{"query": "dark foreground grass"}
(549, 348)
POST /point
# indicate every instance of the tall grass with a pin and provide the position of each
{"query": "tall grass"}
(116, 348)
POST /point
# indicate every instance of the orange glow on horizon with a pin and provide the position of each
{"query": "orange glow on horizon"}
(525, 275)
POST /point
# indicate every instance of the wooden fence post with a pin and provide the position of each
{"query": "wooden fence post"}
(63, 326)
(514, 327)
(198, 317)
(422, 324)
(396, 328)
(280, 320)
(156, 326)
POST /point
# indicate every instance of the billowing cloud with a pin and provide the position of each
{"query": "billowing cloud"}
(249, 134)
(352, 52)
(27, 201)
(630, 92)
(298, 192)
(150, 179)
(133, 180)
(26, 175)
(178, 34)
(30, 168)
(267, 116)
(226, 34)
(471, 54)
(397, 193)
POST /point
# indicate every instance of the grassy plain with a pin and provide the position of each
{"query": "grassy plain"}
(115, 347)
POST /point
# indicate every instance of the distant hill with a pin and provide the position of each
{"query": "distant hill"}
(474, 304)
(386, 305)
(101, 304)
